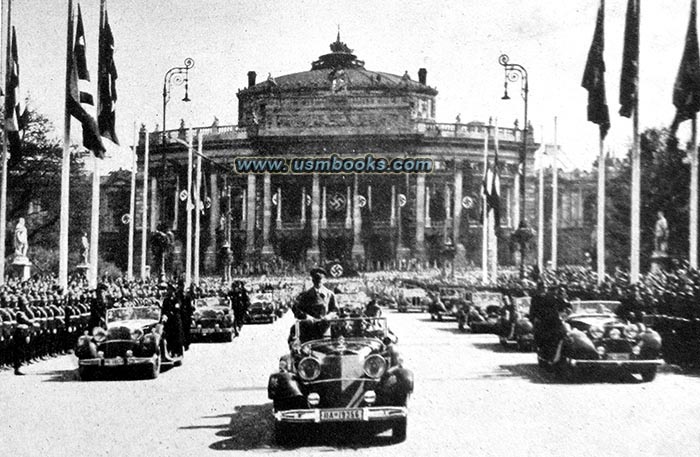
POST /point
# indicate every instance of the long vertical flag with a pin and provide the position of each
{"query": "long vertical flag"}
(15, 113)
(106, 83)
(81, 103)
(686, 99)
(629, 106)
(598, 113)
(71, 82)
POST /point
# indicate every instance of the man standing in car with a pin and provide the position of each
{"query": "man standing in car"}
(317, 301)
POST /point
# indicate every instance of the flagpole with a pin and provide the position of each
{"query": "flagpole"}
(540, 208)
(484, 211)
(132, 208)
(493, 223)
(693, 255)
(144, 212)
(600, 226)
(188, 212)
(555, 196)
(198, 207)
(65, 164)
(3, 185)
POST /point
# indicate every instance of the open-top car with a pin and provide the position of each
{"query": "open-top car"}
(596, 337)
(341, 370)
(412, 299)
(262, 308)
(212, 318)
(133, 339)
(450, 300)
(481, 313)
(515, 324)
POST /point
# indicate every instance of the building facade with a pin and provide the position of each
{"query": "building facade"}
(339, 108)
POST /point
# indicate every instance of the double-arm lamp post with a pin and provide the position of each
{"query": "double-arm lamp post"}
(175, 76)
(524, 234)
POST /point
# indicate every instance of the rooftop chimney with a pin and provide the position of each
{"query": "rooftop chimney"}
(422, 75)
(251, 78)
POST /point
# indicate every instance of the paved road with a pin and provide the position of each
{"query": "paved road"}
(472, 398)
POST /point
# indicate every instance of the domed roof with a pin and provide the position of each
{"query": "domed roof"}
(339, 65)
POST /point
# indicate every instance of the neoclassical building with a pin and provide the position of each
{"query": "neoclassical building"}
(338, 107)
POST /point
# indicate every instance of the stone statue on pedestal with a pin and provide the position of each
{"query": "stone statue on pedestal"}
(85, 253)
(661, 233)
(20, 241)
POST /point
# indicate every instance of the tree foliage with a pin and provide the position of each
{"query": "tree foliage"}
(665, 178)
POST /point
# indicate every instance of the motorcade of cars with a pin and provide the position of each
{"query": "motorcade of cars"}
(212, 318)
(596, 337)
(262, 308)
(133, 340)
(341, 370)
(516, 327)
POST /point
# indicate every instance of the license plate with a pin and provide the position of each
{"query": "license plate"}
(341, 415)
(622, 356)
(207, 330)
(113, 362)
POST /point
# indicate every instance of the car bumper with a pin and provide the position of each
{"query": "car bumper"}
(210, 331)
(368, 414)
(261, 318)
(616, 363)
(118, 361)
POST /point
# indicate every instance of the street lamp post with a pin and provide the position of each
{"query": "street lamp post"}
(176, 76)
(524, 234)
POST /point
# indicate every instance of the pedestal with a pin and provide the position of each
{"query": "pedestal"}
(460, 259)
(83, 269)
(660, 263)
(313, 256)
(22, 267)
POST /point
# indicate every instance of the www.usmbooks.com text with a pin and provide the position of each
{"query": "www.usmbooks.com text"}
(332, 164)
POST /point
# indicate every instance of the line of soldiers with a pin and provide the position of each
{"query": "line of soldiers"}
(38, 319)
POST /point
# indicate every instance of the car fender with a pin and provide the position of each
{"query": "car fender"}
(397, 385)
(651, 341)
(282, 385)
(579, 346)
(86, 348)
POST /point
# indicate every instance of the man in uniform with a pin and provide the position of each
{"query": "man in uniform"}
(312, 307)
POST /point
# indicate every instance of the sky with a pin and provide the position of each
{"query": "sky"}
(457, 41)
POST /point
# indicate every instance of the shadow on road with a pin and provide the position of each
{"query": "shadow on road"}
(538, 375)
(72, 375)
(252, 427)
(496, 346)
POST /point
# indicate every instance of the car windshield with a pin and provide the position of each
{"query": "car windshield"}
(209, 302)
(522, 304)
(346, 327)
(486, 299)
(449, 293)
(594, 307)
(262, 297)
(133, 313)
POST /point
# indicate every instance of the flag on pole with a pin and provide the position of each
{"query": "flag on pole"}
(81, 104)
(686, 91)
(491, 189)
(594, 77)
(106, 83)
(15, 113)
(629, 79)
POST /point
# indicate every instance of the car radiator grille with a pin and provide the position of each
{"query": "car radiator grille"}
(617, 346)
(116, 348)
(344, 382)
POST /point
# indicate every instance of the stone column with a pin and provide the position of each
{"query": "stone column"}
(244, 210)
(267, 215)
(250, 218)
(420, 217)
(392, 218)
(302, 220)
(176, 202)
(369, 198)
(210, 253)
(516, 200)
(278, 221)
(448, 213)
(324, 220)
(427, 207)
(348, 209)
(155, 204)
(314, 253)
(460, 259)
(358, 249)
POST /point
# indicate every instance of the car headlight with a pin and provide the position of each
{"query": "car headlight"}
(197, 315)
(596, 332)
(615, 334)
(219, 314)
(136, 334)
(375, 366)
(631, 331)
(309, 369)
(99, 334)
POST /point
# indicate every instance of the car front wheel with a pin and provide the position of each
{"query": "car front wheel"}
(648, 374)
(398, 430)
